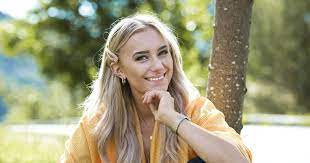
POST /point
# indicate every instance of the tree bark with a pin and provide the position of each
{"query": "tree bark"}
(227, 67)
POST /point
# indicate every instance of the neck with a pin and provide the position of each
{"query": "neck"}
(142, 109)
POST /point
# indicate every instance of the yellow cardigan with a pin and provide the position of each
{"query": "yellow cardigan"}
(81, 146)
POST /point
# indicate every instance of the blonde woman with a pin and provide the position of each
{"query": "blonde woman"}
(142, 108)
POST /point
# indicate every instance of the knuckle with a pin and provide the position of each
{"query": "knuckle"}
(167, 93)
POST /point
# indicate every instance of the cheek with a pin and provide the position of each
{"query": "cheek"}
(134, 72)
(170, 64)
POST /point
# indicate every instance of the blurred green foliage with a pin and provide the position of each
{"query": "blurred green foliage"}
(279, 56)
(65, 38)
(26, 103)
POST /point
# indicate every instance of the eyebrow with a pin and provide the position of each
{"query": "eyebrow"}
(146, 51)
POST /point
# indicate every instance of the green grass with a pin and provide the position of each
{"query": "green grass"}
(29, 148)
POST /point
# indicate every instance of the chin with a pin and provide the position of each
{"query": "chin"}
(162, 88)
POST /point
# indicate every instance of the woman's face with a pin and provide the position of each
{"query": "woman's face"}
(146, 62)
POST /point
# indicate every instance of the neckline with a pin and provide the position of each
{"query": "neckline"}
(140, 138)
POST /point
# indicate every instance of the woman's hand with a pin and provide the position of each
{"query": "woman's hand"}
(161, 104)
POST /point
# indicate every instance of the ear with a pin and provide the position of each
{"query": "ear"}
(116, 69)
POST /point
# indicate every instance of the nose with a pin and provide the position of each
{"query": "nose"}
(157, 66)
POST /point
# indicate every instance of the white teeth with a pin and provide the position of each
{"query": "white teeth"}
(153, 79)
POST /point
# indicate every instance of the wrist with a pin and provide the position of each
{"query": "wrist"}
(175, 124)
(169, 118)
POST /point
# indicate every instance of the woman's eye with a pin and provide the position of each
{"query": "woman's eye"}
(140, 58)
(164, 52)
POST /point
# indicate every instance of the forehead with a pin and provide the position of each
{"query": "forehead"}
(145, 39)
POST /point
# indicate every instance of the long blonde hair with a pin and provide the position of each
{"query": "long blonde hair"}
(116, 102)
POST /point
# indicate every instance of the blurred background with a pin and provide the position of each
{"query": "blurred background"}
(50, 51)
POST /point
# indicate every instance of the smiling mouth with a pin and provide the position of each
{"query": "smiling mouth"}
(156, 78)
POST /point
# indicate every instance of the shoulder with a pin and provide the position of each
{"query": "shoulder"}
(202, 112)
(82, 145)
(201, 105)
(90, 121)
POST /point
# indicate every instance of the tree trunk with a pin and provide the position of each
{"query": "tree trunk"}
(227, 67)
